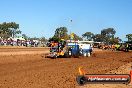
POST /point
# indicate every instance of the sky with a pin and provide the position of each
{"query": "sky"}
(41, 17)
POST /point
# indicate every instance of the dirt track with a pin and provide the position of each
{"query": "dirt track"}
(32, 70)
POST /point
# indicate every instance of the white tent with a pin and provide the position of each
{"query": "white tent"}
(15, 39)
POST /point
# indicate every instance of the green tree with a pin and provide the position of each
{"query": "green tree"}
(115, 40)
(25, 36)
(88, 35)
(97, 38)
(108, 34)
(4, 31)
(129, 37)
(14, 29)
(43, 39)
(76, 37)
(56, 39)
(61, 33)
(9, 29)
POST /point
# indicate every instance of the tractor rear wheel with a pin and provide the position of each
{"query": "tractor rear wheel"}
(66, 55)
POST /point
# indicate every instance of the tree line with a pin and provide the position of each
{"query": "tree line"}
(107, 35)
(62, 33)
(11, 29)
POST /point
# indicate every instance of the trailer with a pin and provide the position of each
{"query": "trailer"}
(86, 48)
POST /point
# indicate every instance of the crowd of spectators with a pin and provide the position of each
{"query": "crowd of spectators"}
(18, 42)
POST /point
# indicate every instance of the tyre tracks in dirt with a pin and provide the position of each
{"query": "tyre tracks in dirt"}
(35, 71)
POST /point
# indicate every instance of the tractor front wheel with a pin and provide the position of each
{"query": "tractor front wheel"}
(55, 56)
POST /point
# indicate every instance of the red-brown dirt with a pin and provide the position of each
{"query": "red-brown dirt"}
(29, 69)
